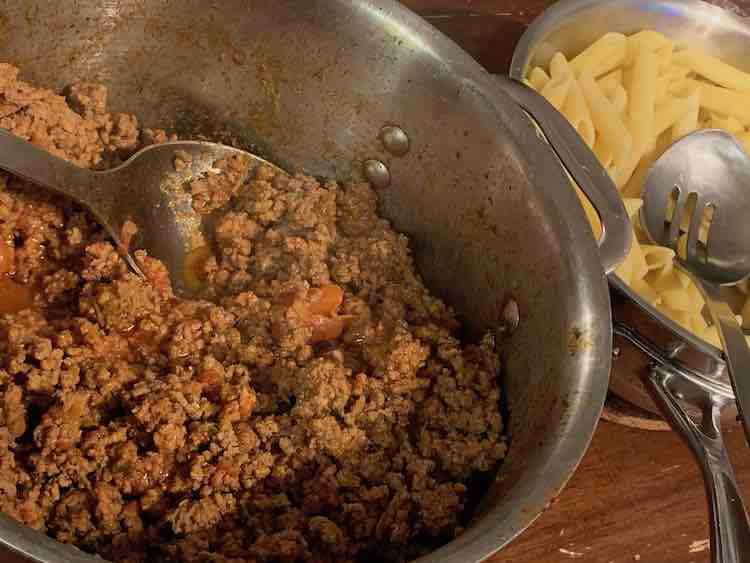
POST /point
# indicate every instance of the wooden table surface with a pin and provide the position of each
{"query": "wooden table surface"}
(638, 495)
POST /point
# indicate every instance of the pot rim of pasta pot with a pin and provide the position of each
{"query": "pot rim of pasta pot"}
(570, 26)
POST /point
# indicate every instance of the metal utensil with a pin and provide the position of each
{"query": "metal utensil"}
(710, 167)
(729, 529)
(713, 166)
(147, 190)
(673, 387)
(707, 169)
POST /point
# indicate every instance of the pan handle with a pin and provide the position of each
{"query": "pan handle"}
(730, 532)
(583, 167)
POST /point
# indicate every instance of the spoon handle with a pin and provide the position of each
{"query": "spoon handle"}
(736, 350)
(730, 532)
(36, 165)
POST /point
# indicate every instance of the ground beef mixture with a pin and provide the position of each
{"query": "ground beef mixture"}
(315, 406)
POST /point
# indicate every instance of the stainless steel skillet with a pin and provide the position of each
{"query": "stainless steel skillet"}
(319, 85)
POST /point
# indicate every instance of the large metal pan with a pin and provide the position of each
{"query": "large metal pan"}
(310, 84)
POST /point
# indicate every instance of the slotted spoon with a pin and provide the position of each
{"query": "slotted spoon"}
(707, 169)
(711, 168)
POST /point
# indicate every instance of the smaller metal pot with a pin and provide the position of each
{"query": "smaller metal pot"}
(660, 366)
(570, 26)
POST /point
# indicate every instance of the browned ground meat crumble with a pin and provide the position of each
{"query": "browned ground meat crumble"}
(316, 406)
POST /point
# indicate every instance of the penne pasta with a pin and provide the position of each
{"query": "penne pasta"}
(557, 88)
(718, 99)
(666, 79)
(686, 299)
(632, 206)
(610, 82)
(602, 57)
(646, 292)
(619, 99)
(671, 112)
(651, 39)
(576, 110)
(712, 335)
(634, 267)
(689, 121)
(538, 78)
(625, 270)
(712, 68)
(573, 105)
(698, 324)
(683, 277)
(604, 153)
(682, 318)
(634, 187)
(728, 123)
(641, 86)
(612, 130)
(658, 258)
(556, 91)
(630, 98)
(665, 279)
(664, 57)
(655, 42)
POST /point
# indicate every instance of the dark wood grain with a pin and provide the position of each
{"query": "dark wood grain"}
(638, 495)
(487, 29)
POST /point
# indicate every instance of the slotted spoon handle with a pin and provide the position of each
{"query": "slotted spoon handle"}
(736, 350)
(730, 531)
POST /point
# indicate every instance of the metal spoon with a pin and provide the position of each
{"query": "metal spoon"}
(147, 190)
(710, 168)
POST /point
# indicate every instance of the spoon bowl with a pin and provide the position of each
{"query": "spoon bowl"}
(151, 191)
(704, 171)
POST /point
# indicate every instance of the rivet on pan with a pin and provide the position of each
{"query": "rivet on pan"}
(511, 318)
(616, 353)
(395, 140)
(377, 174)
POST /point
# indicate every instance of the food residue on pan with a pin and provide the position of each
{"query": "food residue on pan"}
(316, 405)
(578, 341)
